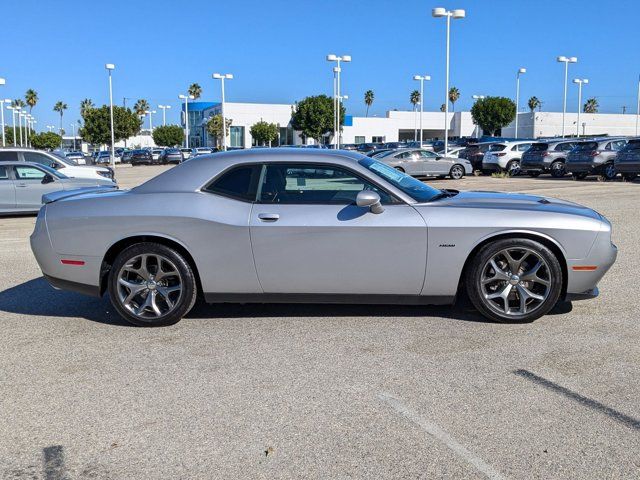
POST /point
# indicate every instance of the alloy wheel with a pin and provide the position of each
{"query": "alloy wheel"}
(456, 172)
(514, 168)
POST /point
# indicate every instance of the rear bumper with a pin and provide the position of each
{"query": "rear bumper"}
(61, 284)
(580, 167)
(586, 295)
(491, 167)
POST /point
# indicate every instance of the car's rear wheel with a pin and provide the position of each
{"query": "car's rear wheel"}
(514, 280)
(513, 168)
(608, 173)
(400, 169)
(558, 169)
(578, 176)
(152, 285)
(457, 172)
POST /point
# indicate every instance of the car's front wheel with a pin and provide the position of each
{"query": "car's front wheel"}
(514, 280)
(457, 172)
(513, 168)
(558, 169)
(608, 173)
(152, 285)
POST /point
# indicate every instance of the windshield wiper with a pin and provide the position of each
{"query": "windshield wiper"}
(445, 193)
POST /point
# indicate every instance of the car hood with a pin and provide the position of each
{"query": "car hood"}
(516, 201)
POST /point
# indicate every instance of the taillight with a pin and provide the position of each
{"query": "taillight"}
(595, 153)
(546, 154)
(500, 154)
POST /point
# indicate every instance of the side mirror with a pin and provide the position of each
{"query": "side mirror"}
(47, 178)
(368, 198)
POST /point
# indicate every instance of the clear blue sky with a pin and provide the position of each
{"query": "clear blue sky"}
(276, 50)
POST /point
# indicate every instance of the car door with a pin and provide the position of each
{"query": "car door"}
(309, 237)
(7, 190)
(31, 185)
(433, 164)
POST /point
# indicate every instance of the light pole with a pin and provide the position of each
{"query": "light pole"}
(455, 14)
(520, 72)
(73, 130)
(2, 102)
(222, 77)
(336, 97)
(186, 116)
(566, 61)
(150, 113)
(20, 115)
(27, 125)
(13, 122)
(50, 127)
(415, 123)
(638, 107)
(421, 78)
(164, 114)
(579, 82)
(110, 67)
(478, 97)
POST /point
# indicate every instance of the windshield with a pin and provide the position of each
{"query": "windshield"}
(417, 190)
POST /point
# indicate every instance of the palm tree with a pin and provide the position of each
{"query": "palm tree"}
(60, 107)
(533, 103)
(195, 90)
(591, 106)
(368, 99)
(414, 98)
(31, 97)
(86, 104)
(141, 107)
(454, 95)
(18, 103)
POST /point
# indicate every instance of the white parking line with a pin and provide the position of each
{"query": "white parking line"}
(439, 434)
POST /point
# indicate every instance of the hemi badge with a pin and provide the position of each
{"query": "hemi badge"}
(584, 268)
(66, 261)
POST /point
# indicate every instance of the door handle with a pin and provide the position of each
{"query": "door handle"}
(268, 217)
(21, 185)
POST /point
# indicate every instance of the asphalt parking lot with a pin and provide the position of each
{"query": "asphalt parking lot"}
(308, 391)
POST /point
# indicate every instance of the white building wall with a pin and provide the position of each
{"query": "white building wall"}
(549, 124)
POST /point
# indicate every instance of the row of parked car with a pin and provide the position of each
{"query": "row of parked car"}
(146, 156)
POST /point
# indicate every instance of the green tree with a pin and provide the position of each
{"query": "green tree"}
(493, 113)
(264, 132)
(18, 102)
(414, 98)
(85, 105)
(97, 125)
(214, 127)
(533, 103)
(31, 97)
(169, 135)
(454, 95)
(141, 107)
(60, 107)
(314, 116)
(195, 90)
(45, 140)
(591, 106)
(368, 99)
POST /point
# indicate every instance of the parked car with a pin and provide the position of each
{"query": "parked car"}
(22, 185)
(171, 155)
(143, 157)
(281, 232)
(349, 146)
(474, 152)
(547, 157)
(74, 157)
(104, 157)
(419, 162)
(505, 157)
(594, 157)
(201, 151)
(395, 145)
(426, 144)
(454, 152)
(126, 156)
(62, 165)
(627, 162)
(379, 153)
(186, 153)
(367, 147)
(155, 153)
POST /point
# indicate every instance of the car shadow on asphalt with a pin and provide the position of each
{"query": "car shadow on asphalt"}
(36, 297)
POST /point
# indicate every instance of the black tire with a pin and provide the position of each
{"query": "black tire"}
(629, 177)
(475, 271)
(400, 169)
(558, 169)
(578, 176)
(533, 174)
(456, 172)
(608, 173)
(182, 304)
(513, 168)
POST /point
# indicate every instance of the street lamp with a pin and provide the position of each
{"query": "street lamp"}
(222, 77)
(164, 114)
(110, 67)
(50, 127)
(478, 97)
(520, 72)
(73, 130)
(579, 82)
(566, 61)
(421, 78)
(150, 113)
(455, 14)
(186, 116)
(2, 102)
(20, 114)
(336, 94)
(13, 121)
(27, 126)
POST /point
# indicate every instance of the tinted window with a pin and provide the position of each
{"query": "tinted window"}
(426, 154)
(586, 146)
(496, 148)
(564, 147)
(29, 173)
(633, 145)
(239, 183)
(617, 144)
(420, 192)
(539, 147)
(37, 158)
(4, 173)
(523, 147)
(8, 156)
(314, 184)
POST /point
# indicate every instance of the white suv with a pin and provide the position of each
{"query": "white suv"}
(505, 156)
(64, 165)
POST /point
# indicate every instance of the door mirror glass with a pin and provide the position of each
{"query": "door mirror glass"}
(47, 178)
(371, 199)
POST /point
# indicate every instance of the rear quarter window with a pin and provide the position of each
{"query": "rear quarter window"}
(239, 183)
(8, 156)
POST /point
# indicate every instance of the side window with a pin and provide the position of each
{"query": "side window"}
(427, 154)
(239, 183)
(37, 158)
(617, 145)
(29, 173)
(4, 173)
(405, 155)
(608, 146)
(524, 147)
(8, 156)
(314, 184)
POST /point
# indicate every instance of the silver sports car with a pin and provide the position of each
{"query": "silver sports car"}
(291, 225)
(419, 162)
